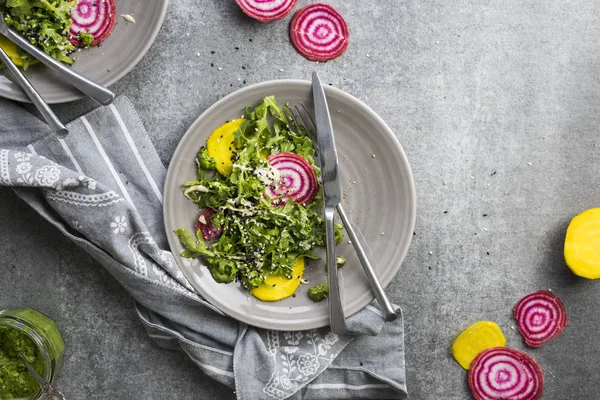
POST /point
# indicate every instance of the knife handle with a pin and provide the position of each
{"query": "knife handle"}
(49, 116)
(337, 319)
(389, 314)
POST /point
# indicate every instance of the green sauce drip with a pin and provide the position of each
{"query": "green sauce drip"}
(15, 380)
(319, 292)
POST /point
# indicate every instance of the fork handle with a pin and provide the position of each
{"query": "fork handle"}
(389, 314)
(337, 319)
(49, 116)
(91, 89)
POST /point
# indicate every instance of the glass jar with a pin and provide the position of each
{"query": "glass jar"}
(44, 333)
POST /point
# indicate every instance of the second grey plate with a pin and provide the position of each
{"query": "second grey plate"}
(106, 64)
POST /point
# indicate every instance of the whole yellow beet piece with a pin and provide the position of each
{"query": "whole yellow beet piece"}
(582, 244)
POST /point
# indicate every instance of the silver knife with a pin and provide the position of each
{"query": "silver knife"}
(88, 87)
(332, 193)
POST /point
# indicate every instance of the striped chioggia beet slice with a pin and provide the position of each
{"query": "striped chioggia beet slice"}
(95, 17)
(296, 180)
(541, 317)
(319, 32)
(266, 10)
(500, 373)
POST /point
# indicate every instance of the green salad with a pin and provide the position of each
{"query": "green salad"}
(45, 23)
(257, 183)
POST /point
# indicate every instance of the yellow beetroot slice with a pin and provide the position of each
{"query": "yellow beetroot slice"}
(480, 336)
(319, 32)
(505, 374)
(541, 317)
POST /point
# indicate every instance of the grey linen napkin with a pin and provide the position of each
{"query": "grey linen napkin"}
(102, 188)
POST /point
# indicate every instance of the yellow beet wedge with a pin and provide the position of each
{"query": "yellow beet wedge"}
(278, 287)
(220, 146)
(478, 337)
(582, 244)
(11, 50)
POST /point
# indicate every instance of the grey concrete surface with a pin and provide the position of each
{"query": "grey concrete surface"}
(496, 104)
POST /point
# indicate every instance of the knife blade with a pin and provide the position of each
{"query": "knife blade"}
(332, 196)
(327, 151)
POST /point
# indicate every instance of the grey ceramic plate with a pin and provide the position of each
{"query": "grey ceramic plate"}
(119, 53)
(379, 194)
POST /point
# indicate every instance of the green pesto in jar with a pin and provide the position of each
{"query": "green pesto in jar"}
(15, 380)
(45, 325)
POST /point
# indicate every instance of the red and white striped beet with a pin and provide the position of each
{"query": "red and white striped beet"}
(96, 17)
(541, 317)
(266, 10)
(500, 373)
(319, 32)
(205, 226)
(296, 180)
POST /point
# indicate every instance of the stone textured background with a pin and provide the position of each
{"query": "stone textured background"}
(496, 104)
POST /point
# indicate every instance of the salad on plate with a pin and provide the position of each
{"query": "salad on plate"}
(260, 203)
(58, 27)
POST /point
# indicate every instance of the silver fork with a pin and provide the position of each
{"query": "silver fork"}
(387, 309)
